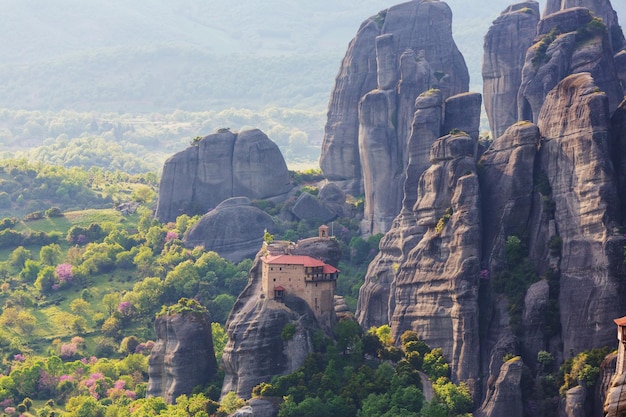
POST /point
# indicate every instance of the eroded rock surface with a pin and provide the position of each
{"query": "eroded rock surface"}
(401, 52)
(505, 397)
(218, 167)
(182, 357)
(510, 35)
(234, 229)
(576, 160)
(568, 42)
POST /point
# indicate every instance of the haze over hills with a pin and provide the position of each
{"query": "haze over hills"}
(126, 70)
(192, 55)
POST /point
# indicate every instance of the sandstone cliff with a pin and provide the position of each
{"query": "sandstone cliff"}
(256, 351)
(218, 167)
(505, 48)
(183, 356)
(505, 397)
(551, 182)
(568, 42)
(396, 55)
(376, 297)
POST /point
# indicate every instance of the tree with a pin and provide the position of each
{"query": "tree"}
(79, 306)
(46, 279)
(111, 301)
(30, 271)
(19, 256)
(231, 402)
(50, 254)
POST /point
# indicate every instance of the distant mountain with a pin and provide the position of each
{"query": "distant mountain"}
(147, 56)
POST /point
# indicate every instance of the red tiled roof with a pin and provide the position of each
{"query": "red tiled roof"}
(306, 261)
(279, 288)
(621, 321)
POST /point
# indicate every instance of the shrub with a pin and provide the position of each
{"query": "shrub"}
(54, 212)
(288, 332)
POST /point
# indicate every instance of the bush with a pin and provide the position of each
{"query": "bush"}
(288, 332)
(54, 212)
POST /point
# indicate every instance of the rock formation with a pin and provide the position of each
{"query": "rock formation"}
(568, 42)
(505, 397)
(183, 356)
(396, 55)
(442, 270)
(549, 181)
(575, 157)
(256, 350)
(218, 167)
(234, 229)
(376, 297)
(506, 43)
(309, 207)
(600, 8)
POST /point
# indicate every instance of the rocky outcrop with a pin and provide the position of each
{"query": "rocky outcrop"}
(568, 42)
(615, 404)
(234, 229)
(507, 188)
(441, 272)
(182, 357)
(218, 167)
(600, 8)
(256, 349)
(395, 56)
(377, 297)
(309, 207)
(510, 35)
(575, 157)
(505, 397)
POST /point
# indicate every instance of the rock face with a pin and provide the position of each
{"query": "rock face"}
(442, 270)
(182, 357)
(575, 157)
(568, 42)
(376, 297)
(505, 47)
(599, 8)
(505, 398)
(218, 167)
(553, 181)
(234, 229)
(396, 55)
(256, 351)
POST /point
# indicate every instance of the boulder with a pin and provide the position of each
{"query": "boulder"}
(309, 207)
(218, 167)
(182, 357)
(234, 229)
(506, 42)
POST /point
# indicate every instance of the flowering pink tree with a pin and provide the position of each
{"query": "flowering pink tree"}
(64, 273)
(125, 308)
(171, 235)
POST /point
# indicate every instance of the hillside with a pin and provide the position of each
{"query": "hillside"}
(156, 56)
